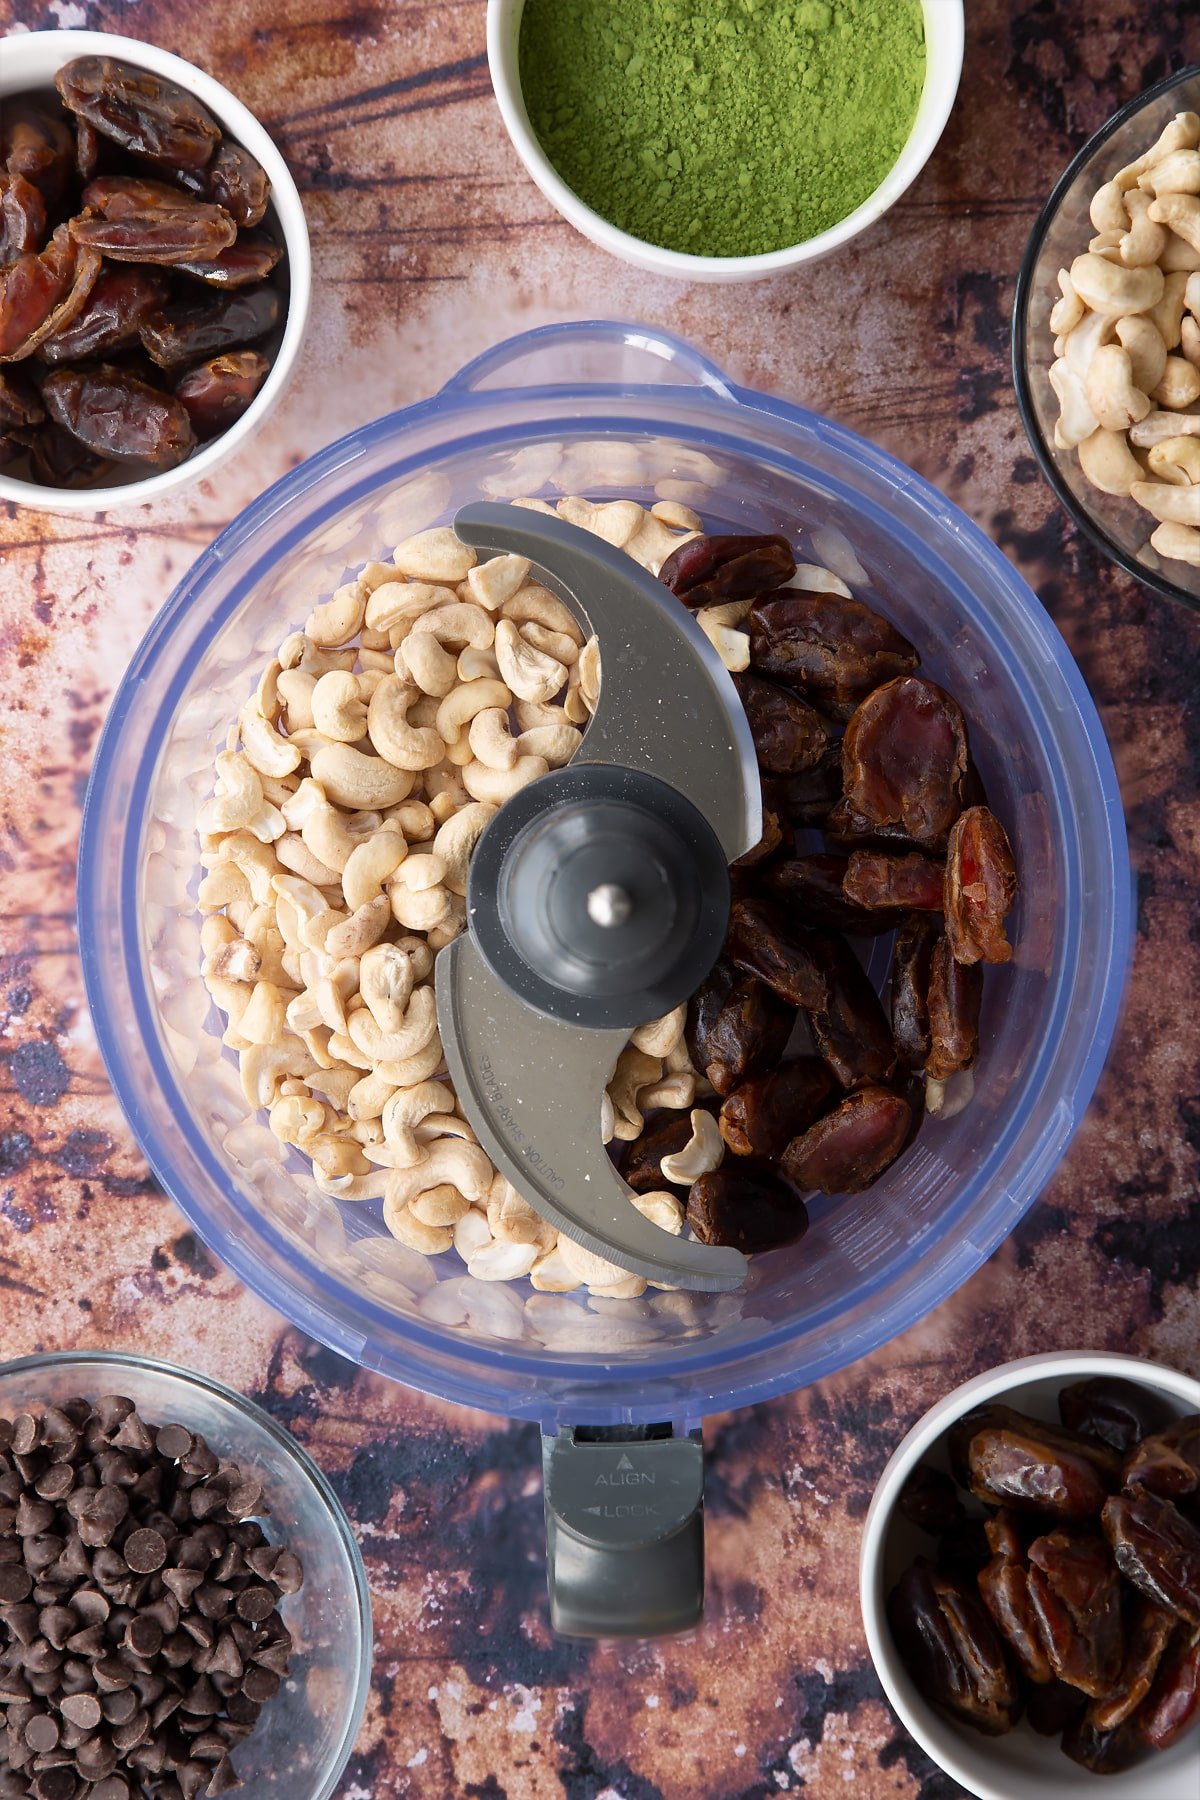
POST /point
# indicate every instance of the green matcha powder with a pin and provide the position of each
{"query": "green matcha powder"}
(722, 127)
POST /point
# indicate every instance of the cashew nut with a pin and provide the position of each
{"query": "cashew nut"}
(434, 555)
(462, 704)
(1147, 352)
(491, 740)
(394, 605)
(356, 780)
(337, 620)
(264, 1066)
(662, 1209)
(433, 669)
(370, 864)
(1180, 505)
(1180, 211)
(338, 708)
(456, 840)
(1177, 461)
(1145, 240)
(1167, 312)
(1079, 347)
(1110, 390)
(1108, 462)
(658, 1037)
(477, 665)
(732, 646)
(700, 1155)
(329, 834)
(404, 745)
(1159, 425)
(1112, 289)
(1107, 210)
(557, 743)
(365, 926)
(448, 1160)
(1076, 419)
(269, 753)
(536, 605)
(460, 626)
(492, 583)
(1178, 255)
(1176, 173)
(1189, 339)
(1180, 384)
(497, 785)
(588, 671)
(528, 672)
(405, 1110)
(634, 1070)
(238, 804)
(557, 644)
(295, 855)
(1180, 133)
(1181, 543)
(417, 909)
(420, 1023)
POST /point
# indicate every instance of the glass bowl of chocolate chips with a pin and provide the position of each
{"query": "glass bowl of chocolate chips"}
(184, 1610)
(154, 272)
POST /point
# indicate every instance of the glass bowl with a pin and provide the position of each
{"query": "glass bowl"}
(603, 408)
(1117, 527)
(307, 1732)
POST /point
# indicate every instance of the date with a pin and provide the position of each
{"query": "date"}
(904, 881)
(746, 1206)
(42, 292)
(809, 798)
(1004, 1590)
(251, 257)
(20, 406)
(834, 650)
(218, 391)
(113, 414)
(36, 144)
(1103, 1752)
(164, 235)
(22, 218)
(1172, 1706)
(904, 758)
(706, 570)
(187, 330)
(762, 942)
(1168, 1461)
(851, 1030)
(1149, 1630)
(736, 1027)
(1075, 1598)
(981, 885)
(789, 735)
(929, 1500)
(143, 112)
(848, 1149)
(814, 887)
(763, 1115)
(955, 998)
(912, 967)
(1117, 1412)
(60, 460)
(1157, 1549)
(1024, 1463)
(234, 180)
(121, 300)
(952, 1649)
(642, 1164)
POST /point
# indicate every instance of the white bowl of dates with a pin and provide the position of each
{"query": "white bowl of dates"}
(183, 1607)
(1031, 1578)
(154, 272)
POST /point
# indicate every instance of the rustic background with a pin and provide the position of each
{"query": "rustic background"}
(429, 244)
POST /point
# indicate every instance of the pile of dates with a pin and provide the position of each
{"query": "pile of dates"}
(1073, 1599)
(138, 298)
(853, 743)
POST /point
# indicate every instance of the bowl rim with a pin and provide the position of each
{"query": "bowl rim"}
(243, 125)
(434, 1360)
(292, 1451)
(1087, 521)
(932, 1425)
(938, 94)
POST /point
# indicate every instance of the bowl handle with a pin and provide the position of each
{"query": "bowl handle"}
(624, 1530)
(590, 352)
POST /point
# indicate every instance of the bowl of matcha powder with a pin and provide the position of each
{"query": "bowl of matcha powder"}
(723, 140)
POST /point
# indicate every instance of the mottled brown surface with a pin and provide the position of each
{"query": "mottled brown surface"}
(429, 244)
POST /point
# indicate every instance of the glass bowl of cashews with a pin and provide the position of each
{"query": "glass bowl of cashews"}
(302, 756)
(1106, 338)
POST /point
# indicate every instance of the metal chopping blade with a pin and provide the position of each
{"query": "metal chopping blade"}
(526, 1054)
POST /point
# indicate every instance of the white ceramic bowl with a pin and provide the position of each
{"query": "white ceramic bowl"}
(30, 61)
(943, 66)
(1020, 1765)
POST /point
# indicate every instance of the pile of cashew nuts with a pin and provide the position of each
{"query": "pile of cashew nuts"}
(351, 793)
(1127, 343)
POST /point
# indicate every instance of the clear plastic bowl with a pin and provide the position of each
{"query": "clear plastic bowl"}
(606, 409)
(306, 1734)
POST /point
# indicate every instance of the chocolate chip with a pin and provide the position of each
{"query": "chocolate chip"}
(254, 1604)
(82, 1710)
(55, 1784)
(120, 1707)
(113, 1787)
(26, 1434)
(260, 1685)
(111, 1411)
(134, 1434)
(145, 1551)
(174, 1442)
(15, 1584)
(41, 1733)
(56, 1482)
(288, 1573)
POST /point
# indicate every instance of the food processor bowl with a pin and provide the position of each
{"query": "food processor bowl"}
(607, 409)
